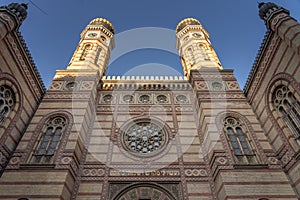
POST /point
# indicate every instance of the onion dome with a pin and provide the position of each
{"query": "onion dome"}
(266, 9)
(20, 10)
(185, 22)
(104, 22)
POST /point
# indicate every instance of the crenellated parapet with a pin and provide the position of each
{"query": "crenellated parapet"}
(145, 83)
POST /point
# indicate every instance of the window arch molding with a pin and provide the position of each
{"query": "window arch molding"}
(39, 132)
(285, 133)
(86, 48)
(151, 186)
(248, 132)
(202, 45)
(7, 126)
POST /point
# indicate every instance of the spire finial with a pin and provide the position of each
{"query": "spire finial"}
(260, 4)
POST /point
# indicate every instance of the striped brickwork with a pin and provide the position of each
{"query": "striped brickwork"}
(54, 179)
(278, 64)
(196, 159)
(17, 71)
(230, 178)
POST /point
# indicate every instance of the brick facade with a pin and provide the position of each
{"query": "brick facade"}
(193, 137)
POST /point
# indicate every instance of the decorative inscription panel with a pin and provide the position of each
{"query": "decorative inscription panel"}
(134, 172)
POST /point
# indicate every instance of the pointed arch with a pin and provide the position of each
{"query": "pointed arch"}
(13, 109)
(11, 104)
(203, 51)
(50, 138)
(239, 139)
(288, 108)
(283, 106)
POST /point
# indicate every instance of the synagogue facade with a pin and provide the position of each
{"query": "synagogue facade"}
(192, 137)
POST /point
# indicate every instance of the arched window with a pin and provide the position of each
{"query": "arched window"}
(288, 108)
(203, 52)
(191, 56)
(85, 51)
(239, 141)
(7, 102)
(51, 136)
(97, 55)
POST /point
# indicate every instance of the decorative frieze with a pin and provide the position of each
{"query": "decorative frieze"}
(195, 172)
(142, 98)
(232, 96)
(55, 96)
(93, 172)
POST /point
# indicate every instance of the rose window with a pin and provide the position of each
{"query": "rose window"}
(144, 98)
(217, 86)
(144, 138)
(108, 98)
(128, 98)
(162, 98)
(7, 101)
(71, 86)
(182, 99)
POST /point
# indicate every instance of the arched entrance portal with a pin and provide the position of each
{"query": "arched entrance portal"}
(144, 191)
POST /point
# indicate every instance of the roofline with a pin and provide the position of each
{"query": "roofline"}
(32, 65)
(262, 49)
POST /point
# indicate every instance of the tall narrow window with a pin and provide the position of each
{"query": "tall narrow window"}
(288, 108)
(51, 136)
(238, 140)
(203, 52)
(191, 56)
(97, 55)
(85, 51)
(7, 102)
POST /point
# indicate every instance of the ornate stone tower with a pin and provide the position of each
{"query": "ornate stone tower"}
(93, 50)
(231, 144)
(59, 132)
(194, 46)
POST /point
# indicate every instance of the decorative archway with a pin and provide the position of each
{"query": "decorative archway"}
(144, 191)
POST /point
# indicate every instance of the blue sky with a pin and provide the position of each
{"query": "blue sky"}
(236, 32)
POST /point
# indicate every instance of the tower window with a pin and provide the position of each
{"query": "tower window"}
(85, 51)
(288, 108)
(97, 55)
(203, 52)
(191, 56)
(7, 102)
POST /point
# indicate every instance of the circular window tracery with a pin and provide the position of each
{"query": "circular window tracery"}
(7, 101)
(71, 86)
(217, 86)
(162, 98)
(108, 98)
(182, 99)
(144, 98)
(144, 138)
(128, 98)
